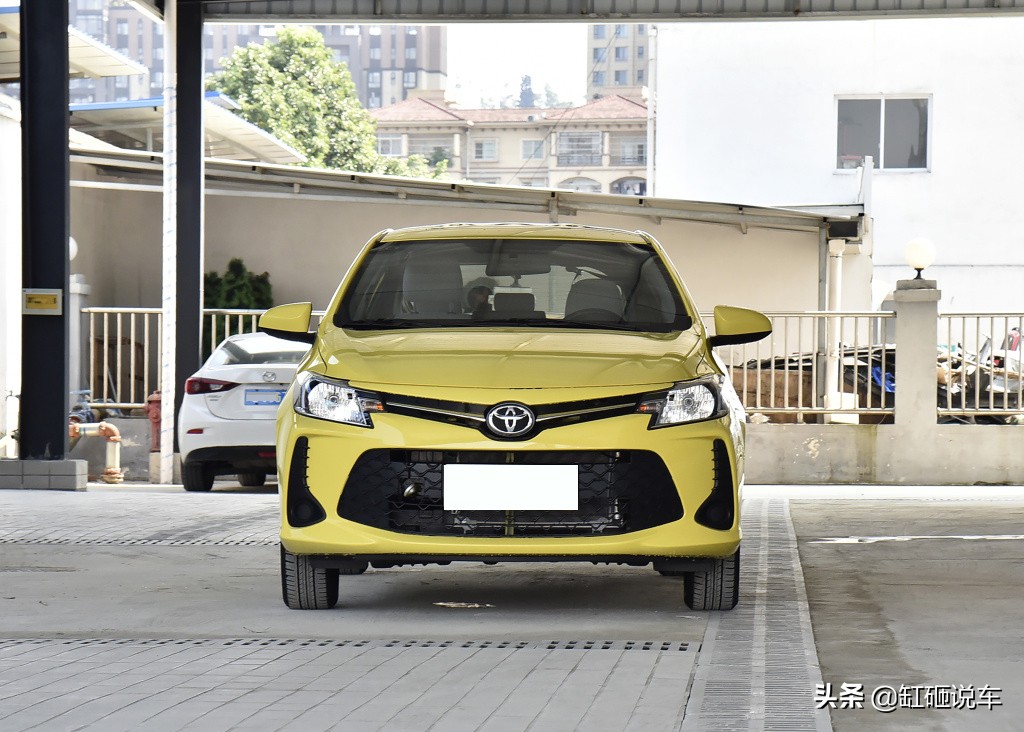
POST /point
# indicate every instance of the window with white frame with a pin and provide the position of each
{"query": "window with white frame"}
(409, 79)
(621, 77)
(410, 53)
(485, 150)
(621, 53)
(620, 31)
(892, 130)
(532, 149)
(598, 78)
(599, 31)
(389, 145)
(375, 52)
(579, 148)
(373, 78)
(600, 54)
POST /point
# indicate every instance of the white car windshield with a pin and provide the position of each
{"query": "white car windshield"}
(515, 282)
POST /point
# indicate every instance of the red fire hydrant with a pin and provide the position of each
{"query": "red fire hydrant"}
(153, 402)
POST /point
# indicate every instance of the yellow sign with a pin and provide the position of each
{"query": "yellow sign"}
(42, 302)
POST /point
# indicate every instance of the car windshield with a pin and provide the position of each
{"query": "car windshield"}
(257, 350)
(546, 283)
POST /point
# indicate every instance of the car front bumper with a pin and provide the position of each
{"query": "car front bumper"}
(700, 458)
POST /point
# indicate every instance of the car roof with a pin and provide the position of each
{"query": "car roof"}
(515, 231)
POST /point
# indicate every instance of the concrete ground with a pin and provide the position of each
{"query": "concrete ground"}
(145, 607)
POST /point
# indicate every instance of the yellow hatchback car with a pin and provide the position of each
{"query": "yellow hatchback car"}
(511, 392)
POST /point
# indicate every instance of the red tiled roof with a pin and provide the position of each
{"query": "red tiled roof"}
(422, 110)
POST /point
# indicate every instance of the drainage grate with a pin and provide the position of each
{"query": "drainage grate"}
(554, 645)
(758, 667)
(114, 541)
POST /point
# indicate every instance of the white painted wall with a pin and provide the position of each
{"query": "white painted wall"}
(10, 271)
(747, 112)
(306, 246)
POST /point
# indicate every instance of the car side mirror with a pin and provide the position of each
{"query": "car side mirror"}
(290, 322)
(738, 325)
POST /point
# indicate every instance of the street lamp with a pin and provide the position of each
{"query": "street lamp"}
(920, 253)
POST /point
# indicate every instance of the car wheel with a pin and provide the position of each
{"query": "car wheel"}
(196, 477)
(305, 587)
(252, 480)
(716, 589)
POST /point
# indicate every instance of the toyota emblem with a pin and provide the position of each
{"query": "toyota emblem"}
(510, 419)
(269, 377)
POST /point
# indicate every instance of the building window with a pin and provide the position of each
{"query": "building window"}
(621, 77)
(599, 31)
(893, 131)
(409, 79)
(390, 146)
(621, 53)
(600, 54)
(641, 29)
(629, 187)
(620, 30)
(410, 53)
(373, 102)
(579, 148)
(375, 53)
(584, 185)
(485, 150)
(629, 151)
(639, 51)
(373, 78)
(598, 78)
(532, 149)
(432, 147)
(640, 76)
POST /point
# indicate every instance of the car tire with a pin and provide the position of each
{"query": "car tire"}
(197, 477)
(305, 587)
(673, 572)
(716, 589)
(253, 479)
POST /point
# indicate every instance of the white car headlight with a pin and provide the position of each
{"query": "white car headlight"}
(335, 401)
(687, 401)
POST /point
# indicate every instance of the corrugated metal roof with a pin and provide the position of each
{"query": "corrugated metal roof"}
(227, 135)
(87, 56)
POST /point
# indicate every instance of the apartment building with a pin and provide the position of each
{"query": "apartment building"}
(618, 54)
(387, 62)
(600, 147)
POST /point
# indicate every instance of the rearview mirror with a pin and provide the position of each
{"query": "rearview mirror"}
(738, 325)
(289, 321)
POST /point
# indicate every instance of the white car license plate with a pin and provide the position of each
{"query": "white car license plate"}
(263, 397)
(511, 487)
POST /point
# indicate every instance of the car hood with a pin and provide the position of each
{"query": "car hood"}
(510, 358)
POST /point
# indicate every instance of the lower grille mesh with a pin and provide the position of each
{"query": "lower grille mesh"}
(618, 492)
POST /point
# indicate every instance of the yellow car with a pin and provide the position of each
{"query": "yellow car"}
(511, 392)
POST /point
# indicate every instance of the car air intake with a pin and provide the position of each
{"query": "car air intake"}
(403, 491)
(303, 509)
(719, 509)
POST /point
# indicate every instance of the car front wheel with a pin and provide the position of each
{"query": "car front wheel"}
(305, 587)
(196, 477)
(715, 589)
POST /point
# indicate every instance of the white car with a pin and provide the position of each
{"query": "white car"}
(227, 420)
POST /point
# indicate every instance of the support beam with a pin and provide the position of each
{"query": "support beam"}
(190, 181)
(46, 202)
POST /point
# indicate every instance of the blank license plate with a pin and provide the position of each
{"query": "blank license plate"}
(511, 487)
(263, 397)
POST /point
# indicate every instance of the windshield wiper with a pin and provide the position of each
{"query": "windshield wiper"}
(386, 324)
(595, 325)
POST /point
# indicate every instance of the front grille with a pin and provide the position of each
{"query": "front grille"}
(618, 492)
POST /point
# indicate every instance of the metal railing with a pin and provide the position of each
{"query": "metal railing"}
(815, 363)
(124, 355)
(980, 365)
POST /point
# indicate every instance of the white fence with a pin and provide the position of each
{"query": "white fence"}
(814, 366)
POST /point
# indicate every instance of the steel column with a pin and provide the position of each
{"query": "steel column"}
(46, 205)
(190, 174)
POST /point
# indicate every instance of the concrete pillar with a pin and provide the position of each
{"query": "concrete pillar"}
(917, 307)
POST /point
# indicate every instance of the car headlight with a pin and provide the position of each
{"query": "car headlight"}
(335, 401)
(686, 401)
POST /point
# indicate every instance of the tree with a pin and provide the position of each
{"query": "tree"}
(526, 96)
(551, 99)
(237, 288)
(294, 90)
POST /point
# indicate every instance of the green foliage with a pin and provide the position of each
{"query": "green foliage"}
(417, 166)
(293, 89)
(527, 99)
(237, 288)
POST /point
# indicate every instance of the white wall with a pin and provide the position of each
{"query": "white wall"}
(306, 246)
(747, 112)
(10, 271)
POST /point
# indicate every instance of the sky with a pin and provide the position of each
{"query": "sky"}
(487, 61)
